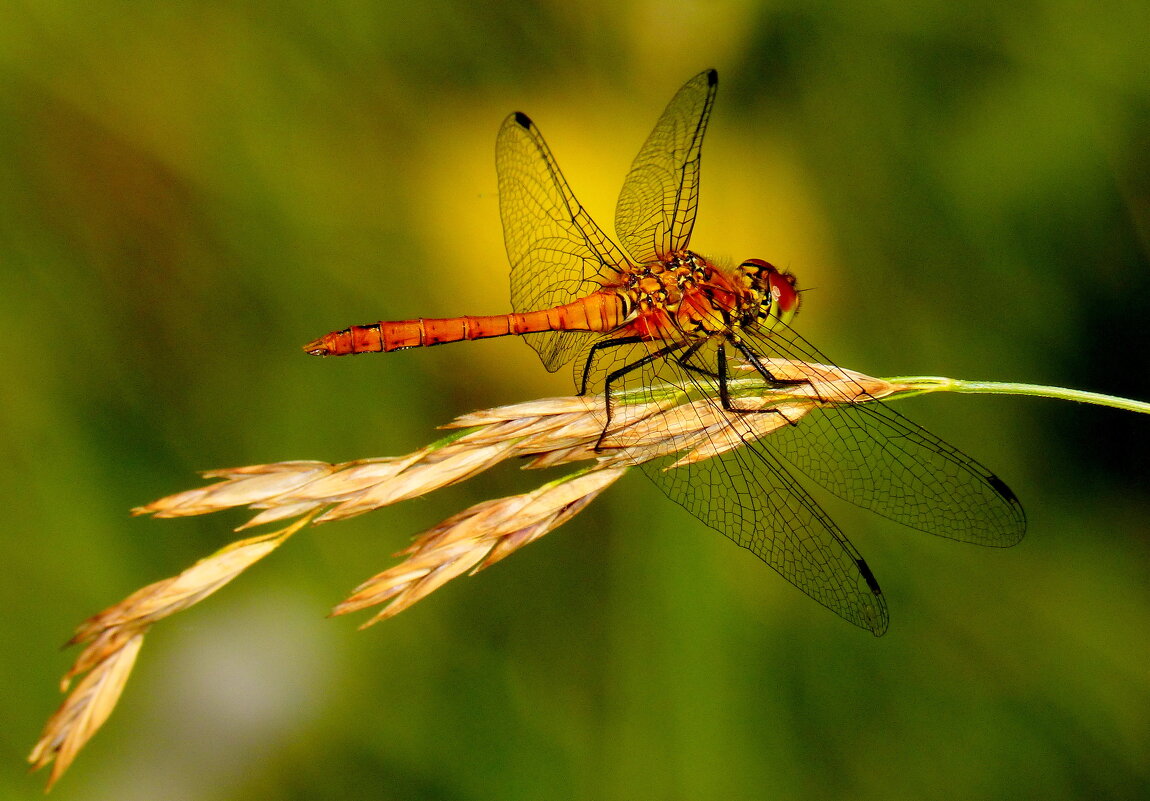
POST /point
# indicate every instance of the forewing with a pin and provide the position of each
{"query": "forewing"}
(557, 252)
(733, 482)
(656, 209)
(869, 454)
(732, 468)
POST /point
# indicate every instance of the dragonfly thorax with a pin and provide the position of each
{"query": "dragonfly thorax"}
(660, 287)
(685, 295)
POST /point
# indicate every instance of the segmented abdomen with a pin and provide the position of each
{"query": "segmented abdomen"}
(600, 311)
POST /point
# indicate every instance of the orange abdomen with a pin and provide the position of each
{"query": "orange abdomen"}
(600, 311)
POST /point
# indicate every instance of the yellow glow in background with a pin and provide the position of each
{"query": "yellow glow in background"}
(190, 192)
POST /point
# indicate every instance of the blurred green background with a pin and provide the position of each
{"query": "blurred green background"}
(189, 192)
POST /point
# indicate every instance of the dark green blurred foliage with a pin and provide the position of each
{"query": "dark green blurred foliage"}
(190, 192)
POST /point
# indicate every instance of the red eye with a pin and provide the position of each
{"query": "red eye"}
(784, 294)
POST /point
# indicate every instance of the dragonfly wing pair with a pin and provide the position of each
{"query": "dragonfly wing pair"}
(559, 254)
(863, 452)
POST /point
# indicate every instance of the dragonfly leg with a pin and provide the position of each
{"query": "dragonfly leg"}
(725, 392)
(593, 352)
(615, 375)
(755, 362)
(687, 354)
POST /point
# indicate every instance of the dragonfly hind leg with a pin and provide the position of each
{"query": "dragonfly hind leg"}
(593, 352)
(616, 375)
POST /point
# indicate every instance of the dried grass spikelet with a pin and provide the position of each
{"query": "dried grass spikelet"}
(546, 433)
(474, 539)
(114, 637)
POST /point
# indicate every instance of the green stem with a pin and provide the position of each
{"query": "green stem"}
(922, 384)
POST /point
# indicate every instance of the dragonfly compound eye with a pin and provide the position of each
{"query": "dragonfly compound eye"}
(784, 295)
(780, 298)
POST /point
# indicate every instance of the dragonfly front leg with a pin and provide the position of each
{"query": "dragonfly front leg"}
(753, 359)
(725, 391)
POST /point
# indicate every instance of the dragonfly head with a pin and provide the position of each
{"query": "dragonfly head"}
(779, 296)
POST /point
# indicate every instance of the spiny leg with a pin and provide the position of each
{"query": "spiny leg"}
(602, 345)
(688, 353)
(615, 375)
(756, 363)
(724, 389)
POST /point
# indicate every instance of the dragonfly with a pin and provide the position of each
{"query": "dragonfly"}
(649, 312)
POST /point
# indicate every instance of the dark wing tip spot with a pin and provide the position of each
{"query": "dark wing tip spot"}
(523, 120)
(712, 77)
(1007, 494)
(1000, 487)
(871, 581)
(874, 613)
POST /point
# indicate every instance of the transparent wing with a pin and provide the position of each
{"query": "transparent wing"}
(557, 252)
(872, 456)
(656, 209)
(734, 483)
(736, 470)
